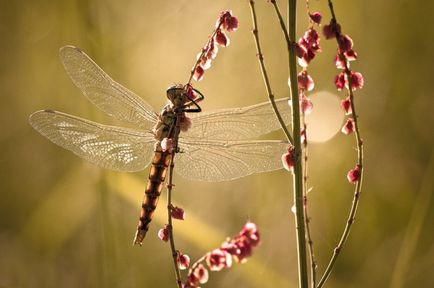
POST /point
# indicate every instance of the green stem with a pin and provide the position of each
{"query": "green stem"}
(265, 74)
(358, 188)
(298, 172)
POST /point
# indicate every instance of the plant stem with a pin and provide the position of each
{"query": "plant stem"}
(265, 74)
(298, 172)
(169, 226)
(306, 215)
(358, 188)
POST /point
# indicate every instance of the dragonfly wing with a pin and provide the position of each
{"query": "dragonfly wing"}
(110, 147)
(239, 123)
(103, 91)
(215, 160)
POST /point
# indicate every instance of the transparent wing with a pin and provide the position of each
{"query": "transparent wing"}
(215, 161)
(109, 147)
(238, 123)
(103, 91)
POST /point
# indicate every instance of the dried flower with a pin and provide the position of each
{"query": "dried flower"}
(201, 273)
(348, 127)
(163, 233)
(183, 260)
(354, 174)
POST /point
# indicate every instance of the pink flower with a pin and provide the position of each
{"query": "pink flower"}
(331, 30)
(348, 127)
(356, 80)
(251, 233)
(198, 73)
(221, 38)
(354, 175)
(306, 58)
(201, 273)
(316, 17)
(218, 259)
(340, 64)
(340, 81)
(244, 251)
(305, 81)
(163, 233)
(346, 105)
(288, 159)
(183, 261)
(351, 55)
(345, 43)
(229, 22)
(306, 105)
(177, 213)
(167, 144)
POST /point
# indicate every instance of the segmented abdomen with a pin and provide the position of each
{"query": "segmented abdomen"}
(157, 175)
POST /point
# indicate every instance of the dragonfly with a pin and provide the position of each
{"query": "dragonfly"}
(210, 146)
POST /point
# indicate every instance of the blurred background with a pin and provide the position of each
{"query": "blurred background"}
(67, 223)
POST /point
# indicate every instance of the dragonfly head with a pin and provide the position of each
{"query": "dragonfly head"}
(182, 97)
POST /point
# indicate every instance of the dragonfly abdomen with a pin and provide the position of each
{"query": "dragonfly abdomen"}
(157, 175)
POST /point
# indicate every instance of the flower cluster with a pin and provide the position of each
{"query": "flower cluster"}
(219, 38)
(239, 248)
(306, 48)
(346, 78)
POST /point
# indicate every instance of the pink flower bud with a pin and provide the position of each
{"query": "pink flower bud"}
(221, 38)
(163, 233)
(229, 22)
(218, 259)
(357, 80)
(251, 233)
(345, 43)
(340, 81)
(353, 175)
(177, 213)
(331, 30)
(306, 105)
(201, 274)
(346, 105)
(305, 81)
(351, 55)
(198, 73)
(288, 159)
(315, 17)
(183, 261)
(348, 127)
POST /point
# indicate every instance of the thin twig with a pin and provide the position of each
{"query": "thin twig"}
(265, 74)
(204, 50)
(358, 188)
(169, 226)
(306, 215)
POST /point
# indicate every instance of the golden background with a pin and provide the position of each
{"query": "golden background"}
(66, 223)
